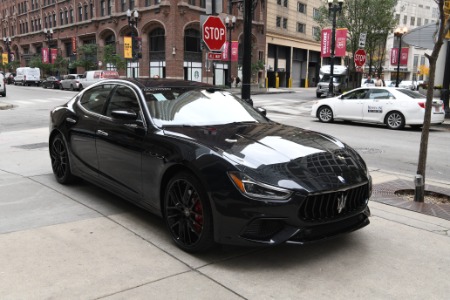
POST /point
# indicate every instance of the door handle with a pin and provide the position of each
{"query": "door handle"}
(101, 132)
(70, 120)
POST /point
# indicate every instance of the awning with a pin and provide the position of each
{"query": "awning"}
(422, 36)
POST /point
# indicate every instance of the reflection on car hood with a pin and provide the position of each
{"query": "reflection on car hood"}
(282, 155)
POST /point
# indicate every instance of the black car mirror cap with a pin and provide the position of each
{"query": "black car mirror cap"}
(124, 114)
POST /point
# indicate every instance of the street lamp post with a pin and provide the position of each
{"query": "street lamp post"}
(49, 35)
(230, 24)
(398, 33)
(133, 22)
(333, 8)
(7, 41)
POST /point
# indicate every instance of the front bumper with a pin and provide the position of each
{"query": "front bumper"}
(297, 221)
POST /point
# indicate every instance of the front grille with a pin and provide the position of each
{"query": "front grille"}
(329, 206)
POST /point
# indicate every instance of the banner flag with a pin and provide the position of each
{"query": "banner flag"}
(325, 43)
(341, 42)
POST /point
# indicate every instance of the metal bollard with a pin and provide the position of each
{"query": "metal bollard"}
(419, 188)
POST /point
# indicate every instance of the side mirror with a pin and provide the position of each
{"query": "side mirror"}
(123, 114)
(262, 111)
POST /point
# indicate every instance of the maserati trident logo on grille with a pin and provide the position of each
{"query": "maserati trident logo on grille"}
(341, 201)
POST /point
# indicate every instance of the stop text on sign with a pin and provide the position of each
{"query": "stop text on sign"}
(360, 57)
(214, 33)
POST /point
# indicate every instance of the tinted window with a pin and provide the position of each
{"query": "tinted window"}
(380, 94)
(123, 98)
(95, 98)
(412, 94)
(358, 94)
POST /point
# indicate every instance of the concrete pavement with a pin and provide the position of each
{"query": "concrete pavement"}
(81, 242)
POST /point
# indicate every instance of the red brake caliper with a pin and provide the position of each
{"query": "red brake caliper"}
(198, 209)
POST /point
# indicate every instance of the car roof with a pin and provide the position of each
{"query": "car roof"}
(165, 82)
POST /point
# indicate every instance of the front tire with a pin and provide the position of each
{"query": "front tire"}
(59, 156)
(187, 213)
(395, 120)
(325, 114)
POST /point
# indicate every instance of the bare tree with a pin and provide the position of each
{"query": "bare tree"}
(442, 27)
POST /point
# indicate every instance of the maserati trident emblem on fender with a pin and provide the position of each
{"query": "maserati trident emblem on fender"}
(341, 201)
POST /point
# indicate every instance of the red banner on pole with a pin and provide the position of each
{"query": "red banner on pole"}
(341, 42)
(403, 56)
(44, 53)
(74, 45)
(54, 54)
(325, 43)
(234, 51)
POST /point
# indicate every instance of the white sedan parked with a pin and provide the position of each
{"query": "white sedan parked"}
(395, 107)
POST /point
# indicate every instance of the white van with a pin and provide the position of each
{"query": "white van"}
(91, 77)
(28, 76)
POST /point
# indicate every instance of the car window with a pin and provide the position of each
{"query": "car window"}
(380, 94)
(95, 98)
(412, 94)
(199, 107)
(123, 98)
(358, 94)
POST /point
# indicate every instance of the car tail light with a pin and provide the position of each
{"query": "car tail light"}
(421, 104)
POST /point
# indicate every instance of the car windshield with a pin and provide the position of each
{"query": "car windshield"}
(326, 78)
(412, 94)
(178, 107)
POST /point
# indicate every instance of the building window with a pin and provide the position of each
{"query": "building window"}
(46, 22)
(316, 32)
(192, 40)
(80, 13)
(191, 2)
(413, 21)
(203, 3)
(102, 8)
(157, 40)
(425, 22)
(316, 13)
(54, 20)
(66, 15)
(91, 9)
(71, 15)
(278, 22)
(301, 27)
(123, 5)
(301, 7)
(285, 20)
(419, 21)
(285, 3)
(405, 20)
(278, 2)
(61, 18)
(109, 7)
(86, 13)
(131, 4)
(397, 19)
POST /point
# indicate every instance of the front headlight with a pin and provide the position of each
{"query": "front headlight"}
(257, 190)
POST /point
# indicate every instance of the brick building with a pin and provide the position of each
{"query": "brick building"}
(170, 31)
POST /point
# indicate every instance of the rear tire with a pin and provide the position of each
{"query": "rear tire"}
(59, 156)
(395, 120)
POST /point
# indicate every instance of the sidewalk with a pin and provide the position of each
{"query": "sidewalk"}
(81, 242)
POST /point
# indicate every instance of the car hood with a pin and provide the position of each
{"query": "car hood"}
(282, 155)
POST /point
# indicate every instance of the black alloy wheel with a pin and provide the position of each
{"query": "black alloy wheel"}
(187, 213)
(59, 157)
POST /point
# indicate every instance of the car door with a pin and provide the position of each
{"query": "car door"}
(378, 103)
(350, 106)
(120, 142)
(83, 126)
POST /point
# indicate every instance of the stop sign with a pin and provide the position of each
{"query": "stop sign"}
(360, 57)
(214, 33)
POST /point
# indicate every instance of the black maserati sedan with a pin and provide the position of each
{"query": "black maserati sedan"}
(215, 168)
